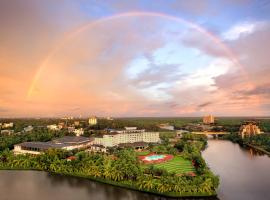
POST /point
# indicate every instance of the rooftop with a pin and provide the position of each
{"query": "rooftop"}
(72, 140)
(57, 143)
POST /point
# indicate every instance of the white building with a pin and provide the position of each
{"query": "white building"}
(79, 131)
(92, 120)
(71, 129)
(28, 129)
(7, 132)
(129, 135)
(53, 127)
(166, 127)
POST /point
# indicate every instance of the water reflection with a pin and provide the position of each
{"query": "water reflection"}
(244, 172)
(32, 185)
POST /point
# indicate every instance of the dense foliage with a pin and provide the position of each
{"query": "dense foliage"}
(123, 169)
(262, 141)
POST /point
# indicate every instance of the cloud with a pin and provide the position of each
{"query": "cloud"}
(242, 29)
(205, 104)
(259, 90)
(91, 70)
(251, 85)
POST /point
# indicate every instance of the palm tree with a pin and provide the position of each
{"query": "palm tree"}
(117, 175)
(207, 185)
(96, 172)
(107, 169)
(149, 183)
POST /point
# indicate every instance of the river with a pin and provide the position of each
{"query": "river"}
(244, 175)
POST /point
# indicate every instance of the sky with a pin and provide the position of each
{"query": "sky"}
(134, 58)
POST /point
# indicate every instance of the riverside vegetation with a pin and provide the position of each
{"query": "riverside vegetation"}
(121, 167)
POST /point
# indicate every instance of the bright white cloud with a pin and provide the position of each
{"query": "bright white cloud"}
(241, 29)
(205, 76)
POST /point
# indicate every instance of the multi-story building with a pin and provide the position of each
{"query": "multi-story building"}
(7, 125)
(92, 120)
(129, 135)
(209, 119)
(249, 129)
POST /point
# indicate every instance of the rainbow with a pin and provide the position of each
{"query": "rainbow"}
(91, 24)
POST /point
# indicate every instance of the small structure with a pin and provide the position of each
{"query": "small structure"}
(53, 127)
(79, 132)
(209, 119)
(7, 132)
(92, 120)
(166, 127)
(179, 133)
(28, 129)
(71, 158)
(77, 123)
(249, 129)
(71, 129)
(109, 118)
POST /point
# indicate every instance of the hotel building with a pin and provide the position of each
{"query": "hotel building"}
(129, 135)
(250, 129)
(209, 119)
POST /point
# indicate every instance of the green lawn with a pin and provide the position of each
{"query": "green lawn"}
(177, 165)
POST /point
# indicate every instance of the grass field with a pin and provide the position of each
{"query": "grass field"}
(177, 165)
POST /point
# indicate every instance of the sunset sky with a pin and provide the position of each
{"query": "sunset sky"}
(134, 58)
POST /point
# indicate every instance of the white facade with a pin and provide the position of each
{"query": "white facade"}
(18, 150)
(28, 128)
(79, 131)
(7, 132)
(127, 136)
(53, 127)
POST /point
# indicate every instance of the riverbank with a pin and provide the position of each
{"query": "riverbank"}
(258, 149)
(123, 184)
